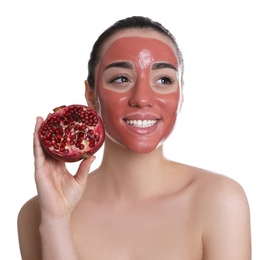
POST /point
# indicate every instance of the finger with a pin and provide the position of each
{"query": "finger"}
(83, 170)
(37, 148)
(39, 121)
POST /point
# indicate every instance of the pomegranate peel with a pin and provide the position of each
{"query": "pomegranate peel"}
(72, 133)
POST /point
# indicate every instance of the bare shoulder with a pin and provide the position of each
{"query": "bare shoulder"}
(211, 185)
(222, 209)
(219, 190)
(28, 229)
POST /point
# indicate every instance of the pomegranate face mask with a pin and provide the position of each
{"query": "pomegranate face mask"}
(138, 91)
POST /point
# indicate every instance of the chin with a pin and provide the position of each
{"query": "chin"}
(143, 148)
(137, 146)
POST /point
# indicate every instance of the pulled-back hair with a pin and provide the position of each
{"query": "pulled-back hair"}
(134, 22)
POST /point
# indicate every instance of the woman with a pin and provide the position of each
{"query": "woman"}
(137, 204)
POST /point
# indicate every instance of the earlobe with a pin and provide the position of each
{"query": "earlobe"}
(89, 96)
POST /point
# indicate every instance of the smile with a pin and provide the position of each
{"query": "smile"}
(142, 123)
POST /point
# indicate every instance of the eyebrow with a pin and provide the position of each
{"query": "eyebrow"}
(120, 64)
(162, 65)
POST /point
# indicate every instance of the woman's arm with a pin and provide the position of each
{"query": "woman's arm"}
(58, 194)
(57, 239)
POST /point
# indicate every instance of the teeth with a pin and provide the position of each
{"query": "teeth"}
(142, 123)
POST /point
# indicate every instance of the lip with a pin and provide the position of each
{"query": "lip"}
(141, 116)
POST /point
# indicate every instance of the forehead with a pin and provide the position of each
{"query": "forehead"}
(139, 39)
(141, 51)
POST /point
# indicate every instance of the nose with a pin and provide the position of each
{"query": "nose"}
(142, 95)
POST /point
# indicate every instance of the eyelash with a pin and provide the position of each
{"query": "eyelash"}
(169, 79)
(122, 77)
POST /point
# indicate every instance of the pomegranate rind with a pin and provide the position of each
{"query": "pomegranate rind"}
(72, 133)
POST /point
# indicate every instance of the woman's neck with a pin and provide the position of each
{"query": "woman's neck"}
(132, 175)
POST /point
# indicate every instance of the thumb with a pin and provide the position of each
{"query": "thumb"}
(83, 170)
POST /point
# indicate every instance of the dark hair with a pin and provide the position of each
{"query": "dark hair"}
(127, 23)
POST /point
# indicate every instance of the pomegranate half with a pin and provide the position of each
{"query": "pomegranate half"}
(72, 133)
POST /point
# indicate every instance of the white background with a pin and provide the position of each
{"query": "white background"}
(225, 123)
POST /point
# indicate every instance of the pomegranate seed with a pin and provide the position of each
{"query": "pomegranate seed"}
(81, 146)
(92, 142)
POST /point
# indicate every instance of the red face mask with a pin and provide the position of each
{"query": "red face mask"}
(138, 92)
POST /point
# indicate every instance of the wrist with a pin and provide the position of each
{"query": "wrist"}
(56, 234)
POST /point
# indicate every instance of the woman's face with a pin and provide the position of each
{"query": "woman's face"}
(138, 89)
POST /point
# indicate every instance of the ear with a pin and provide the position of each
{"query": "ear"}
(89, 96)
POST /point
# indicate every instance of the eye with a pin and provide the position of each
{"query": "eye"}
(119, 79)
(165, 80)
(165, 83)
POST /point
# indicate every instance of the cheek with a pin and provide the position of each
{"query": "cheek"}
(111, 105)
(170, 107)
(170, 103)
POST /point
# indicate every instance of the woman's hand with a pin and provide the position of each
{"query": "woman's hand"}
(58, 190)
